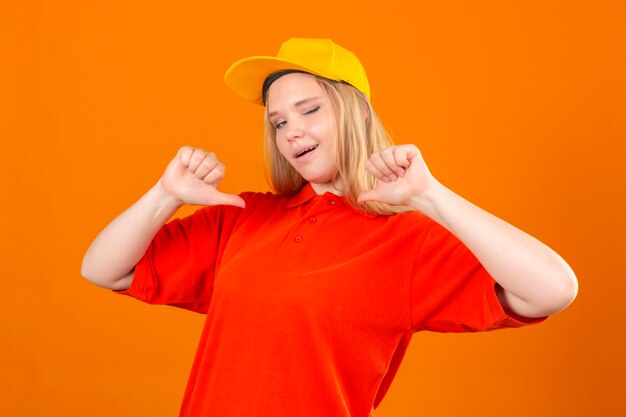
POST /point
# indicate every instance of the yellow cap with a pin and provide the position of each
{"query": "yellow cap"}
(320, 57)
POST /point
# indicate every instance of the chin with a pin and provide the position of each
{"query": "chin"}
(319, 181)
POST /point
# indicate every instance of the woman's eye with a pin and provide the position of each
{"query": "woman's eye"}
(313, 110)
(280, 124)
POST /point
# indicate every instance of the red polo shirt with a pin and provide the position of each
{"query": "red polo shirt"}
(310, 303)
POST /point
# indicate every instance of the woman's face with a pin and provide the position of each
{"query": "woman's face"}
(303, 118)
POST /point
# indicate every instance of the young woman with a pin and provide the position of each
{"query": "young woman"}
(312, 293)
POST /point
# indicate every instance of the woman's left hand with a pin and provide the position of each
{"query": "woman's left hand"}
(402, 175)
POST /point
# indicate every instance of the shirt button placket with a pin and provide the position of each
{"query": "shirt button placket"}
(298, 239)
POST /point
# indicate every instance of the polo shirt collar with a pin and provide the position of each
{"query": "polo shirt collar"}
(307, 193)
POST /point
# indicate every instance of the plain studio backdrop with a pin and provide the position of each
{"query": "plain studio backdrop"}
(518, 106)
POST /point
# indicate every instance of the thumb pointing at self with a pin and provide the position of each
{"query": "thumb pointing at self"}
(368, 195)
(193, 176)
(228, 200)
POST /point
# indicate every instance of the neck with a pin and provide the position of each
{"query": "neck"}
(328, 187)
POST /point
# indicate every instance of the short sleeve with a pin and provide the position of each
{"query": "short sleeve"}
(179, 266)
(452, 292)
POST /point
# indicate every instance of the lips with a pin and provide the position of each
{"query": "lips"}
(303, 151)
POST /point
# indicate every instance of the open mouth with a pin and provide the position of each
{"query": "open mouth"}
(306, 151)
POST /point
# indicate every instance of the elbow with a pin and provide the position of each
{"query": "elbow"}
(92, 273)
(563, 293)
(548, 292)
(570, 289)
(89, 268)
(88, 272)
(95, 274)
(85, 271)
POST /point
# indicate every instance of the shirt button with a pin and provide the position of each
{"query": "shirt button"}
(298, 239)
(312, 220)
(331, 202)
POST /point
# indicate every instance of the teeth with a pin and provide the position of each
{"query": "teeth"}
(299, 154)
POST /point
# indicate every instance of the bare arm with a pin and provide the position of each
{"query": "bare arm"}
(112, 256)
(190, 178)
(535, 280)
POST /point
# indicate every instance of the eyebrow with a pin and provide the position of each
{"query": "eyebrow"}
(297, 104)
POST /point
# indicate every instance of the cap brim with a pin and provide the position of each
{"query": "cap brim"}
(245, 77)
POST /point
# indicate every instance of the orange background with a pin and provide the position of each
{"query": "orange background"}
(518, 106)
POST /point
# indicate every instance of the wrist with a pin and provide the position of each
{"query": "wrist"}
(165, 202)
(428, 201)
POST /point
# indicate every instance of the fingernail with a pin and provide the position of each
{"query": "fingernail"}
(393, 177)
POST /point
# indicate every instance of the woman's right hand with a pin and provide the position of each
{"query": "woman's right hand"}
(192, 178)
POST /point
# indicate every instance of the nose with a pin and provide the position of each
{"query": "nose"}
(294, 132)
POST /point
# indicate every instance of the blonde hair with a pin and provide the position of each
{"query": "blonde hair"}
(358, 132)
